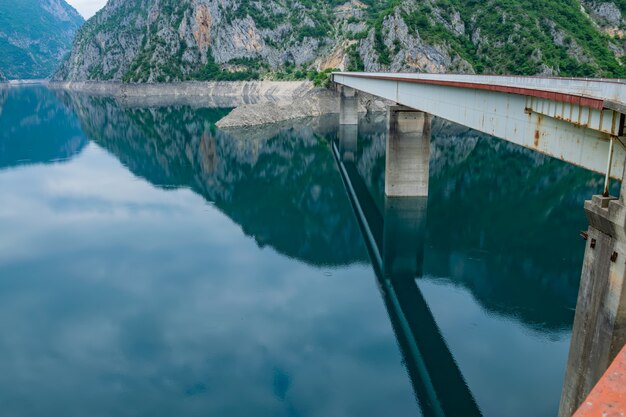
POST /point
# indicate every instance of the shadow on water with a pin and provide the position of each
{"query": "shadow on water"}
(395, 240)
(488, 206)
(36, 128)
(491, 205)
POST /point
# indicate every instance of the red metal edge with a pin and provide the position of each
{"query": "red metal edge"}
(593, 103)
(608, 398)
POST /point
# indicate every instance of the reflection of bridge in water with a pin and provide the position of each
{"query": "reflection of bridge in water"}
(395, 241)
(580, 121)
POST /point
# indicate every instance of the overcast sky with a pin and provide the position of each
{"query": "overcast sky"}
(87, 7)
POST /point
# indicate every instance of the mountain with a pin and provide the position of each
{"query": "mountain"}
(172, 40)
(34, 36)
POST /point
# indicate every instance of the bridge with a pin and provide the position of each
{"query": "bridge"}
(580, 121)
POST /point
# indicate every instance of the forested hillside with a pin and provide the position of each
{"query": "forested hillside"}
(34, 36)
(171, 40)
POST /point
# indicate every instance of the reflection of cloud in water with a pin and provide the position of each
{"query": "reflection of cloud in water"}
(148, 303)
(118, 298)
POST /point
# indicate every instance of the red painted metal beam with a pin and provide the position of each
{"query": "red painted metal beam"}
(550, 95)
(608, 398)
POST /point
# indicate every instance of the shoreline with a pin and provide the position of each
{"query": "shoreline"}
(277, 89)
(255, 103)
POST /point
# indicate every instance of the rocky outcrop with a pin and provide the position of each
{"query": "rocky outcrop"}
(317, 102)
(608, 15)
(35, 35)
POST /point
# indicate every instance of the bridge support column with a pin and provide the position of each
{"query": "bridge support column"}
(600, 323)
(348, 106)
(408, 153)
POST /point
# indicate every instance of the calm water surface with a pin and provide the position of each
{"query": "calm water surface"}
(152, 265)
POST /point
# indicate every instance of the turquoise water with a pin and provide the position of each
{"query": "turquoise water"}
(153, 265)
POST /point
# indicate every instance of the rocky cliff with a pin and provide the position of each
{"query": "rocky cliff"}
(35, 35)
(172, 40)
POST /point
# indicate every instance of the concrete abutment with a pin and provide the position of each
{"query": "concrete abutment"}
(599, 331)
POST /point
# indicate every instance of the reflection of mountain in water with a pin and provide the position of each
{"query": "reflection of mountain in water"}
(503, 221)
(279, 184)
(491, 203)
(36, 128)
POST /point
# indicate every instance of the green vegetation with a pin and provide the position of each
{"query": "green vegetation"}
(212, 71)
(518, 32)
(322, 79)
(356, 63)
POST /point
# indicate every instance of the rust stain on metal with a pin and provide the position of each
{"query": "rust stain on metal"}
(538, 131)
(601, 119)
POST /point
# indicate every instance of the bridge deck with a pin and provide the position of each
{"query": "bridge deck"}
(598, 93)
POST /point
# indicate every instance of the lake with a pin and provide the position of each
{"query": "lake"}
(154, 265)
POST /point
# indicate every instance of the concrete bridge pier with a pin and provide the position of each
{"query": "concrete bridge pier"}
(348, 124)
(600, 323)
(348, 106)
(408, 153)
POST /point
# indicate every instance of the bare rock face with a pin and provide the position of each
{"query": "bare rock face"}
(411, 52)
(173, 40)
(605, 13)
